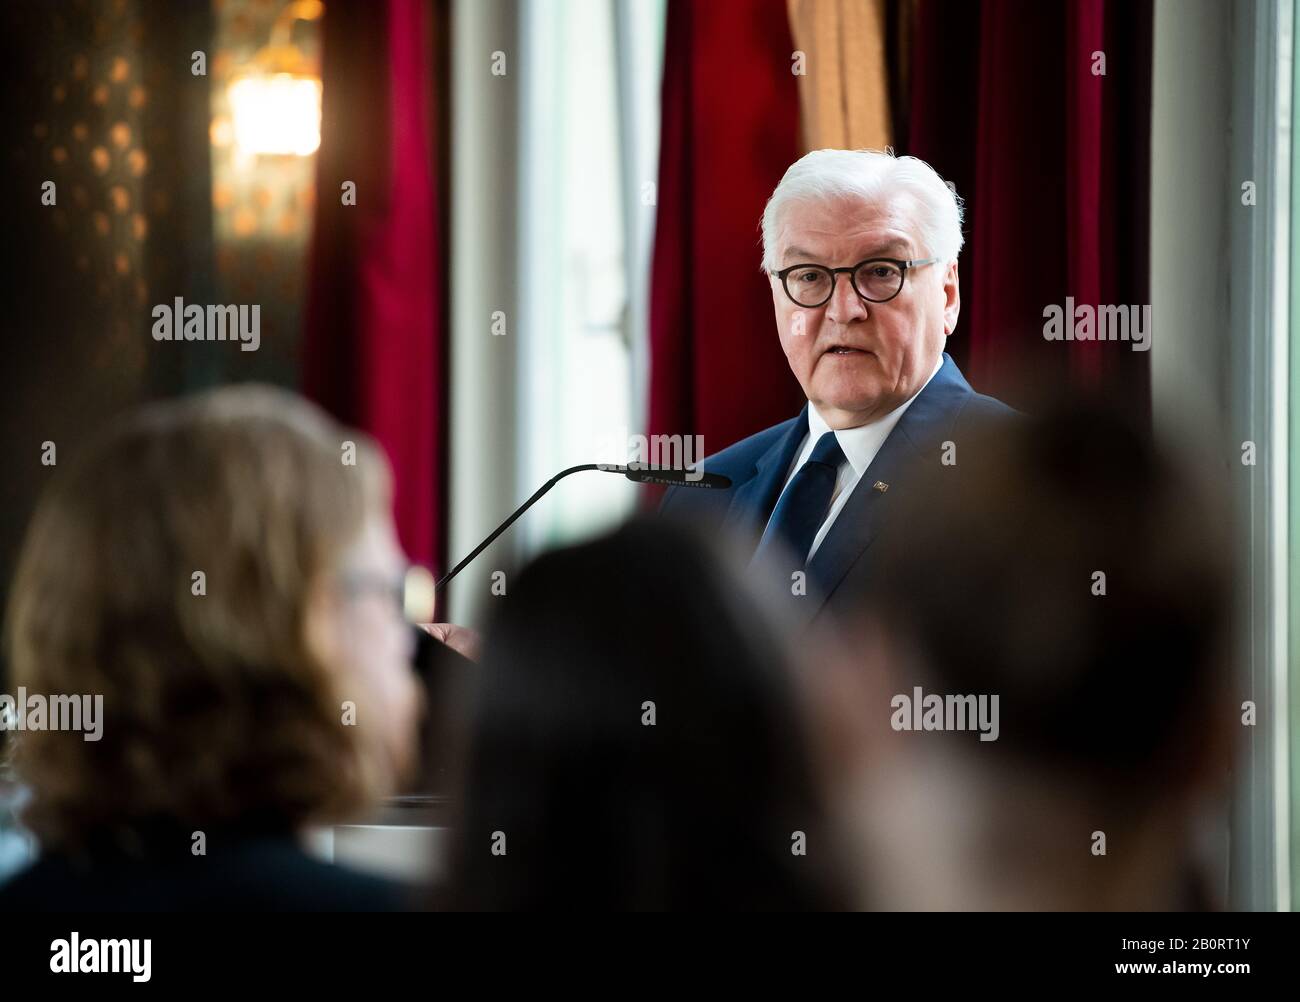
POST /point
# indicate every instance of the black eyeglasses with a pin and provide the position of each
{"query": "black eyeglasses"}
(877, 280)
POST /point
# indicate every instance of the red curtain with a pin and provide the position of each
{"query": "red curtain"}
(730, 128)
(374, 338)
(1053, 161)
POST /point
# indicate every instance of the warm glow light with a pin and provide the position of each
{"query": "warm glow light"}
(279, 113)
(418, 599)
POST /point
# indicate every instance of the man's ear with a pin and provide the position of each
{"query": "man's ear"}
(952, 298)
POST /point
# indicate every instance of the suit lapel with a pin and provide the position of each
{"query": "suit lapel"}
(862, 516)
(916, 436)
(754, 500)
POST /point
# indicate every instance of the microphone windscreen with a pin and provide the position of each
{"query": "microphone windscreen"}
(679, 478)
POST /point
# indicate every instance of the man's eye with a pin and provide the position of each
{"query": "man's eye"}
(807, 276)
(882, 271)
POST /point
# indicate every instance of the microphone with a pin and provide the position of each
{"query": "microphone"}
(673, 478)
(634, 472)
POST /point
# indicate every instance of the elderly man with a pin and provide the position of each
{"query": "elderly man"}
(860, 249)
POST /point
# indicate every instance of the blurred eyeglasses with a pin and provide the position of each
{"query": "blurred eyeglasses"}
(877, 280)
(411, 591)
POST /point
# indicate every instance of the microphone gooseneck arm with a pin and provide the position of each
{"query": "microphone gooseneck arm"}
(672, 477)
(537, 496)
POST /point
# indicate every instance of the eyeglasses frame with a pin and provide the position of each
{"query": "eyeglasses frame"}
(899, 263)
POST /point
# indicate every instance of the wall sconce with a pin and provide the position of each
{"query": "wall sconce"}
(275, 104)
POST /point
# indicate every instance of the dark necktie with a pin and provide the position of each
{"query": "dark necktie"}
(804, 503)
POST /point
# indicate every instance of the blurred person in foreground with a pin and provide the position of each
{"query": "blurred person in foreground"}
(638, 743)
(1068, 569)
(214, 569)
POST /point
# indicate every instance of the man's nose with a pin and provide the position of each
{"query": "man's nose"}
(845, 306)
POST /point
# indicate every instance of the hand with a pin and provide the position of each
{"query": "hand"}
(460, 639)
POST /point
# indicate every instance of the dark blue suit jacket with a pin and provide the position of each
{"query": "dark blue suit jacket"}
(946, 410)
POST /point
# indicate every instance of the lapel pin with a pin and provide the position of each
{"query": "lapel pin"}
(881, 486)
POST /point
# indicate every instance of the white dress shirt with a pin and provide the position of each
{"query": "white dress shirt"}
(860, 446)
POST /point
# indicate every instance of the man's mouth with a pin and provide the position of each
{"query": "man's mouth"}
(844, 349)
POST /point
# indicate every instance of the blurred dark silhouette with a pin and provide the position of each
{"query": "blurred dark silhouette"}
(1071, 569)
(598, 809)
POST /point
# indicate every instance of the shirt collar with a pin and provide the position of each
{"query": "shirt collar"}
(861, 444)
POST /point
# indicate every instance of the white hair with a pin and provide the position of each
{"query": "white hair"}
(872, 176)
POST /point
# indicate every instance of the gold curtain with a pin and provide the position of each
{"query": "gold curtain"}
(844, 89)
